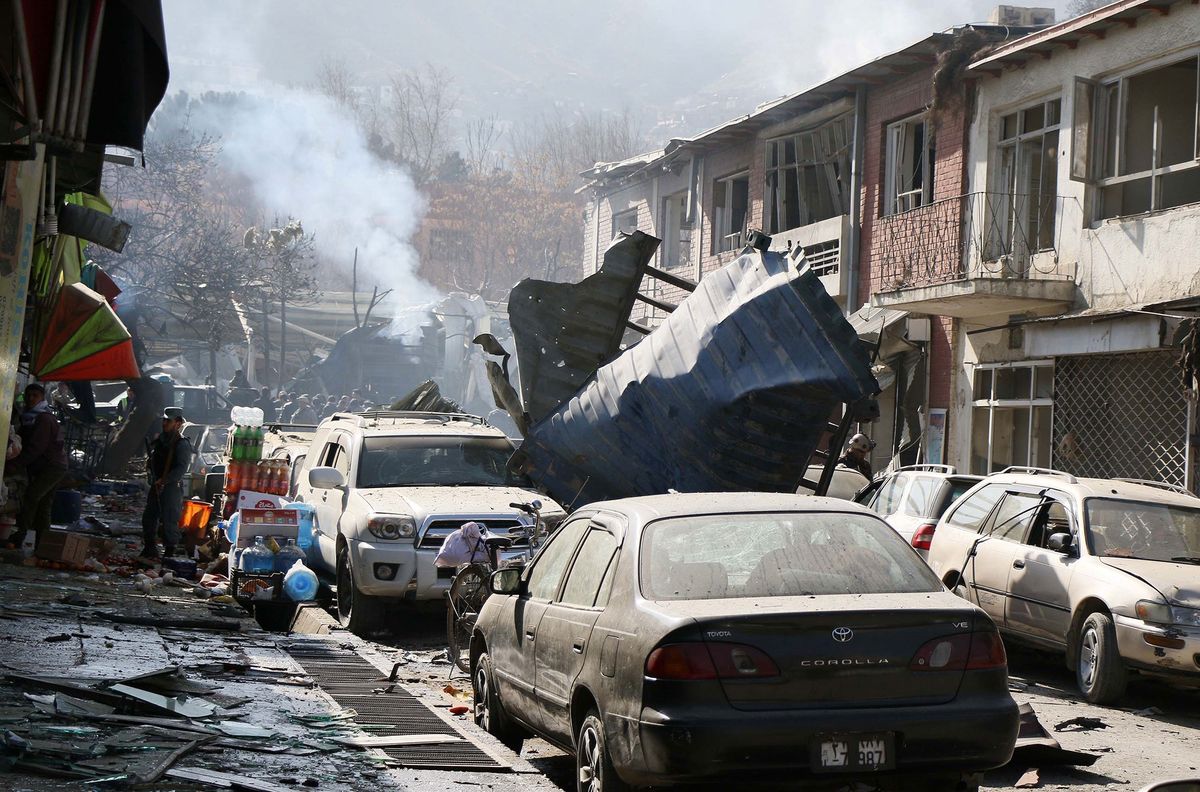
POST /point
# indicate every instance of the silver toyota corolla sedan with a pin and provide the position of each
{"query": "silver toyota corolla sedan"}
(753, 636)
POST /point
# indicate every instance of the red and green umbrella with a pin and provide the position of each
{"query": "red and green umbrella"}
(84, 340)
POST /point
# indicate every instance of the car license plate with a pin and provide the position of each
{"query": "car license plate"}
(834, 753)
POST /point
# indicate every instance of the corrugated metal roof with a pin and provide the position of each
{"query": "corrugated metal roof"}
(732, 392)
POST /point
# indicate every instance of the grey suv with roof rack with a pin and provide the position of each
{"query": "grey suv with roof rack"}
(388, 486)
(1102, 570)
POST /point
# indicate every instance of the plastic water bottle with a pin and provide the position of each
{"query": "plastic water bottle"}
(253, 417)
(258, 559)
(300, 583)
(304, 533)
(230, 527)
(288, 555)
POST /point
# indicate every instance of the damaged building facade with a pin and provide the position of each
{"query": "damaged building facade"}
(1075, 294)
(861, 174)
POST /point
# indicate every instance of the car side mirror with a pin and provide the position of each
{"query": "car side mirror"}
(1060, 542)
(326, 478)
(505, 581)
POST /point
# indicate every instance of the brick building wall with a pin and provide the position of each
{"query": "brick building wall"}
(889, 243)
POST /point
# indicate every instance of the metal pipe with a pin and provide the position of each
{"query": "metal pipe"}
(60, 23)
(30, 87)
(853, 244)
(89, 77)
(63, 102)
(673, 280)
(665, 307)
(79, 43)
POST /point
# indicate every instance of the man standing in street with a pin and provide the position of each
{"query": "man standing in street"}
(265, 404)
(855, 458)
(170, 459)
(45, 461)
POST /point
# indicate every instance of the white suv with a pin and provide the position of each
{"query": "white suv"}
(387, 488)
(1106, 571)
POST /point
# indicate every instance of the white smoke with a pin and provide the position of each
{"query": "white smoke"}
(304, 157)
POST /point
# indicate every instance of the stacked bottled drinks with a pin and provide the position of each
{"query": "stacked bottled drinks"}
(247, 470)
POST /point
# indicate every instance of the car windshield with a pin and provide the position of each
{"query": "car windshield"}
(716, 556)
(1136, 529)
(434, 461)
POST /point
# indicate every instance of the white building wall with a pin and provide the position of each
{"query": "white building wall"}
(1116, 263)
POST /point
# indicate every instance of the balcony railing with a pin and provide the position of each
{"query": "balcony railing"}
(975, 235)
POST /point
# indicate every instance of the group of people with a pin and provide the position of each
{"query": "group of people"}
(300, 408)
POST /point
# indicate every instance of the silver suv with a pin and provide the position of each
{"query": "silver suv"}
(1105, 570)
(387, 487)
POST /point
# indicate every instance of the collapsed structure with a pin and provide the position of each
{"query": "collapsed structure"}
(734, 391)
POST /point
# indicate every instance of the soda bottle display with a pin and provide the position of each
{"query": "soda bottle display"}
(232, 484)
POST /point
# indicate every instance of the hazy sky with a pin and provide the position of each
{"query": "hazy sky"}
(657, 58)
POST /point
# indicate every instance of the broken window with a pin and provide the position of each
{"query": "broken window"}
(1026, 183)
(448, 245)
(676, 233)
(807, 175)
(624, 222)
(908, 178)
(1010, 421)
(1146, 141)
(731, 203)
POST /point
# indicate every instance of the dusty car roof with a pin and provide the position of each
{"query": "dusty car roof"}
(1099, 488)
(652, 507)
(391, 424)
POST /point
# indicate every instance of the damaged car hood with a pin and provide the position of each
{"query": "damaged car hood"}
(1178, 582)
(426, 501)
(732, 392)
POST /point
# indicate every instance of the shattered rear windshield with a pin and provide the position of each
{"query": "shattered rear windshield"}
(435, 461)
(717, 556)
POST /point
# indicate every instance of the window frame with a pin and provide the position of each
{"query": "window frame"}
(890, 162)
(1008, 191)
(593, 528)
(558, 535)
(618, 221)
(776, 170)
(1105, 140)
(992, 404)
(722, 219)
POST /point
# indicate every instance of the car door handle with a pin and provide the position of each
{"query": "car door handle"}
(1018, 564)
(529, 635)
(577, 647)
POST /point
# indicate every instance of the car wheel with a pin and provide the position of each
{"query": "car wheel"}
(357, 612)
(1099, 669)
(593, 765)
(490, 714)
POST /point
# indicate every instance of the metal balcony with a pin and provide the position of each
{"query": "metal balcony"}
(975, 254)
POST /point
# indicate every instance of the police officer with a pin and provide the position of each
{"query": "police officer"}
(170, 460)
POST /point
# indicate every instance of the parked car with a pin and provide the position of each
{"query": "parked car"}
(208, 447)
(1104, 571)
(912, 499)
(845, 484)
(388, 487)
(705, 637)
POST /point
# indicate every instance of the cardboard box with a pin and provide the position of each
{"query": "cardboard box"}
(249, 499)
(64, 546)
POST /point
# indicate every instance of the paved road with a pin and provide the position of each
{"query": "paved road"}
(1155, 734)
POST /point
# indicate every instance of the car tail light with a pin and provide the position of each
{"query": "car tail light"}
(922, 538)
(962, 652)
(709, 661)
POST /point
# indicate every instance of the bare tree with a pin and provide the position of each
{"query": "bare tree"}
(481, 146)
(417, 119)
(1079, 7)
(286, 264)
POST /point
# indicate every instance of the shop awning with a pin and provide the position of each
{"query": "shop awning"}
(84, 340)
(870, 321)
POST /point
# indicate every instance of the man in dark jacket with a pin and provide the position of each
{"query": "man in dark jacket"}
(170, 460)
(45, 461)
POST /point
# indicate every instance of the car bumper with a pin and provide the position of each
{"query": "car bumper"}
(1141, 645)
(396, 570)
(951, 739)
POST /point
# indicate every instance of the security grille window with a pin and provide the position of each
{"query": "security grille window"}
(677, 237)
(624, 222)
(448, 245)
(731, 204)
(1146, 140)
(807, 175)
(908, 178)
(1011, 416)
(1121, 416)
(1026, 181)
